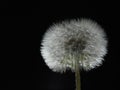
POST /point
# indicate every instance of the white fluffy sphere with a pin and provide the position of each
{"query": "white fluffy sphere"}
(83, 40)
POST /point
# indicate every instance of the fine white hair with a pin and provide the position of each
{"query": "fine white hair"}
(83, 40)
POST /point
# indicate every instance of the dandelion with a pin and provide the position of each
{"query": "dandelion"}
(75, 45)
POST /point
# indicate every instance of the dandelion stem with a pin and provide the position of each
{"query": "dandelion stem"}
(77, 75)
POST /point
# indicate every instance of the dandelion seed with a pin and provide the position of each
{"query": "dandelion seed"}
(75, 44)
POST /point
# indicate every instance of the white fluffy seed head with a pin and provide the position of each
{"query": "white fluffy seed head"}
(65, 42)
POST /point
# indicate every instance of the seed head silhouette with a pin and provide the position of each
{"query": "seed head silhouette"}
(74, 45)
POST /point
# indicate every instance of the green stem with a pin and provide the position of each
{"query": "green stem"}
(77, 75)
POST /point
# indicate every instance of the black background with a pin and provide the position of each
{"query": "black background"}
(22, 28)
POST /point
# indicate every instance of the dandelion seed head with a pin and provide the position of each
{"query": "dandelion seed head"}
(65, 42)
